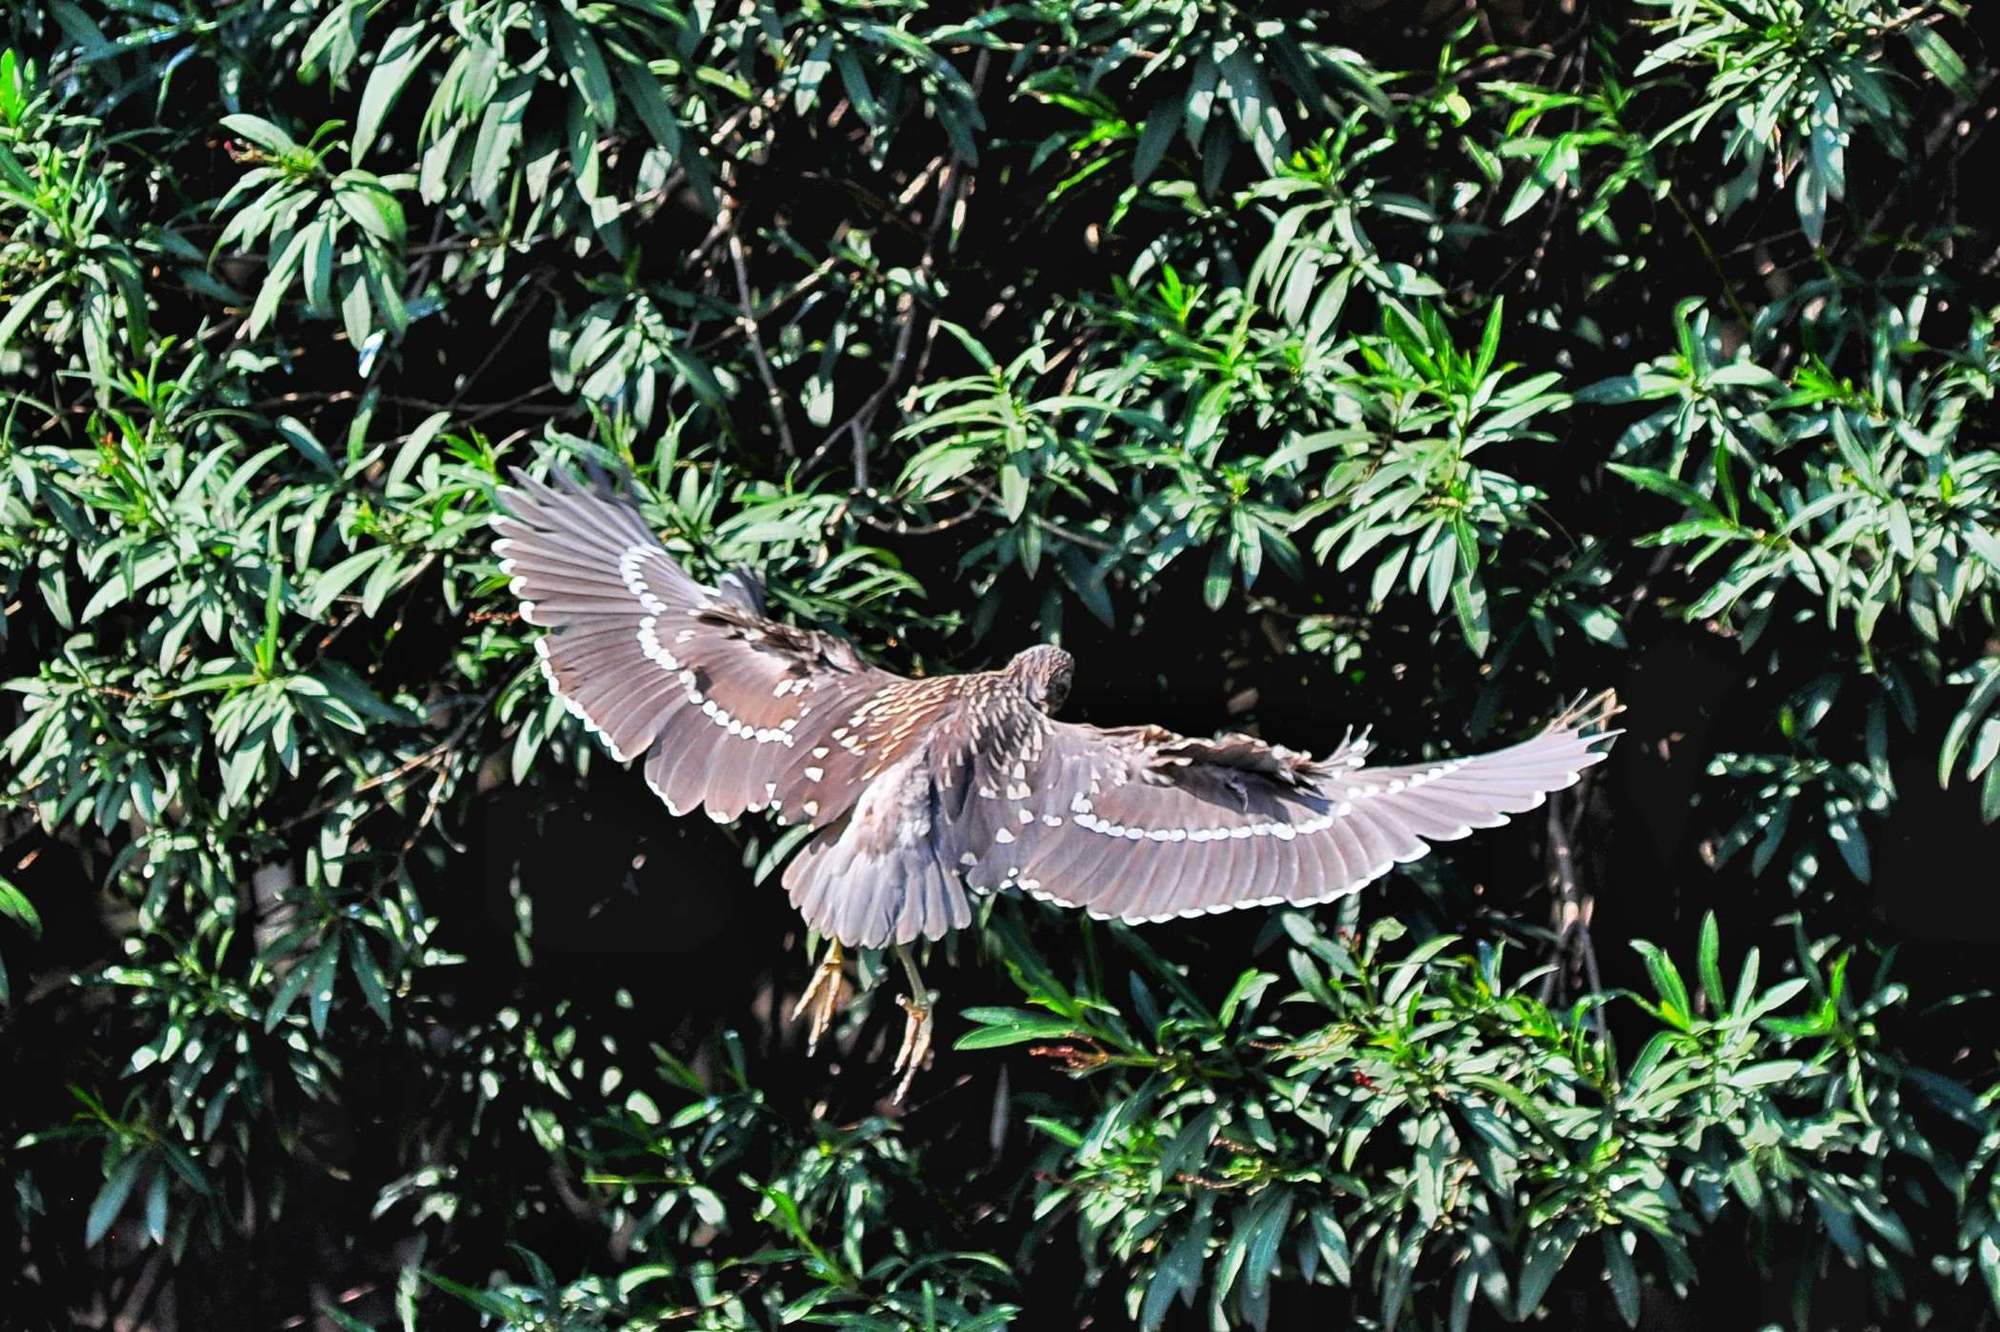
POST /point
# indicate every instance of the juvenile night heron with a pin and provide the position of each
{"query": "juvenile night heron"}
(923, 789)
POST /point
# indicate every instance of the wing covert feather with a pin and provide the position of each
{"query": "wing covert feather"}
(733, 711)
(1140, 824)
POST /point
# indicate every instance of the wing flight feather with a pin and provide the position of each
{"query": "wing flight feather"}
(1140, 824)
(732, 711)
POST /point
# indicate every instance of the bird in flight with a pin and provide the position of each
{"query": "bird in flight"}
(921, 791)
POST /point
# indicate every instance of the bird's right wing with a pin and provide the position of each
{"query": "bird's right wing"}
(1140, 824)
(734, 711)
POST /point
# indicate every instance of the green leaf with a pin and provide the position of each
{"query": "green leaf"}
(1179, 1274)
(1709, 952)
(1548, 1250)
(329, 585)
(1622, 1277)
(1941, 60)
(24, 307)
(110, 1200)
(1541, 178)
(399, 57)
(319, 987)
(1010, 1026)
(373, 206)
(1489, 339)
(1246, 989)
(319, 265)
(1014, 487)
(156, 1207)
(1262, 1261)
(278, 281)
(585, 64)
(1157, 136)
(1662, 484)
(859, 95)
(288, 991)
(369, 976)
(262, 133)
(15, 904)
(1219, 579)
(1666, 983)
(299, 437)
(1332, 1244)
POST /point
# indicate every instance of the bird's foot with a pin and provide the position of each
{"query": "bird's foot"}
(822, 996)
(916, 1049)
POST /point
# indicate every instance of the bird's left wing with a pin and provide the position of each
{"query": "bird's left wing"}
(1140, 824)
(733, 710)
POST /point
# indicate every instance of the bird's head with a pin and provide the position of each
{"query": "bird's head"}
(1043, 674)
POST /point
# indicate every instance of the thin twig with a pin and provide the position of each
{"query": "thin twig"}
(1935, 143)
(951, 189)
(1695, 230)
(427, 254)
(747, 320)
(430, 813)
(805, 284)
(537, 287)
(858, 425)
(423, 759)
(1571, 909)
(921, 529)
(1046, 524)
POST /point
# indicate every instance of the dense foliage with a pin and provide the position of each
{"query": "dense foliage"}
(1297, 368)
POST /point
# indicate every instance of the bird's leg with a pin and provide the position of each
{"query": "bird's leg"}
(821, 995)
(916, 1050)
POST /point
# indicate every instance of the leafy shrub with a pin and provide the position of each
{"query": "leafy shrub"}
(1299, 369)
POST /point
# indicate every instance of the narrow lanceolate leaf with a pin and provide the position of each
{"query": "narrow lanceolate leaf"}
(1940, 59)
(1156, 136)
(1009, 1026)
(1623, 1278)
(297, 978)
(319, 986)
(260, 132)
(15, 905)
(1547, 1252)
(399, 57)
(368, 974)
(284, 270)
(110, 1199)
(1667, 983)
(584, 61)
(27, 305)
(372, 204)
(1708, 957)
(1179, 1275)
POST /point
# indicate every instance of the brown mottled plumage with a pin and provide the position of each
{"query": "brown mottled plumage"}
(922, 789)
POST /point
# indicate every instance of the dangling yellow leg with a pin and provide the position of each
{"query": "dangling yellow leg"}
(822, 996)
(918, 1005)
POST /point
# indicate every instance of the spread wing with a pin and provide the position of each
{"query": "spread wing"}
(1140, 824)
(732, 710)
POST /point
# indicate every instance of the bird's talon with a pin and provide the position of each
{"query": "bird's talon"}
(916, 1048)
(821, 998)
